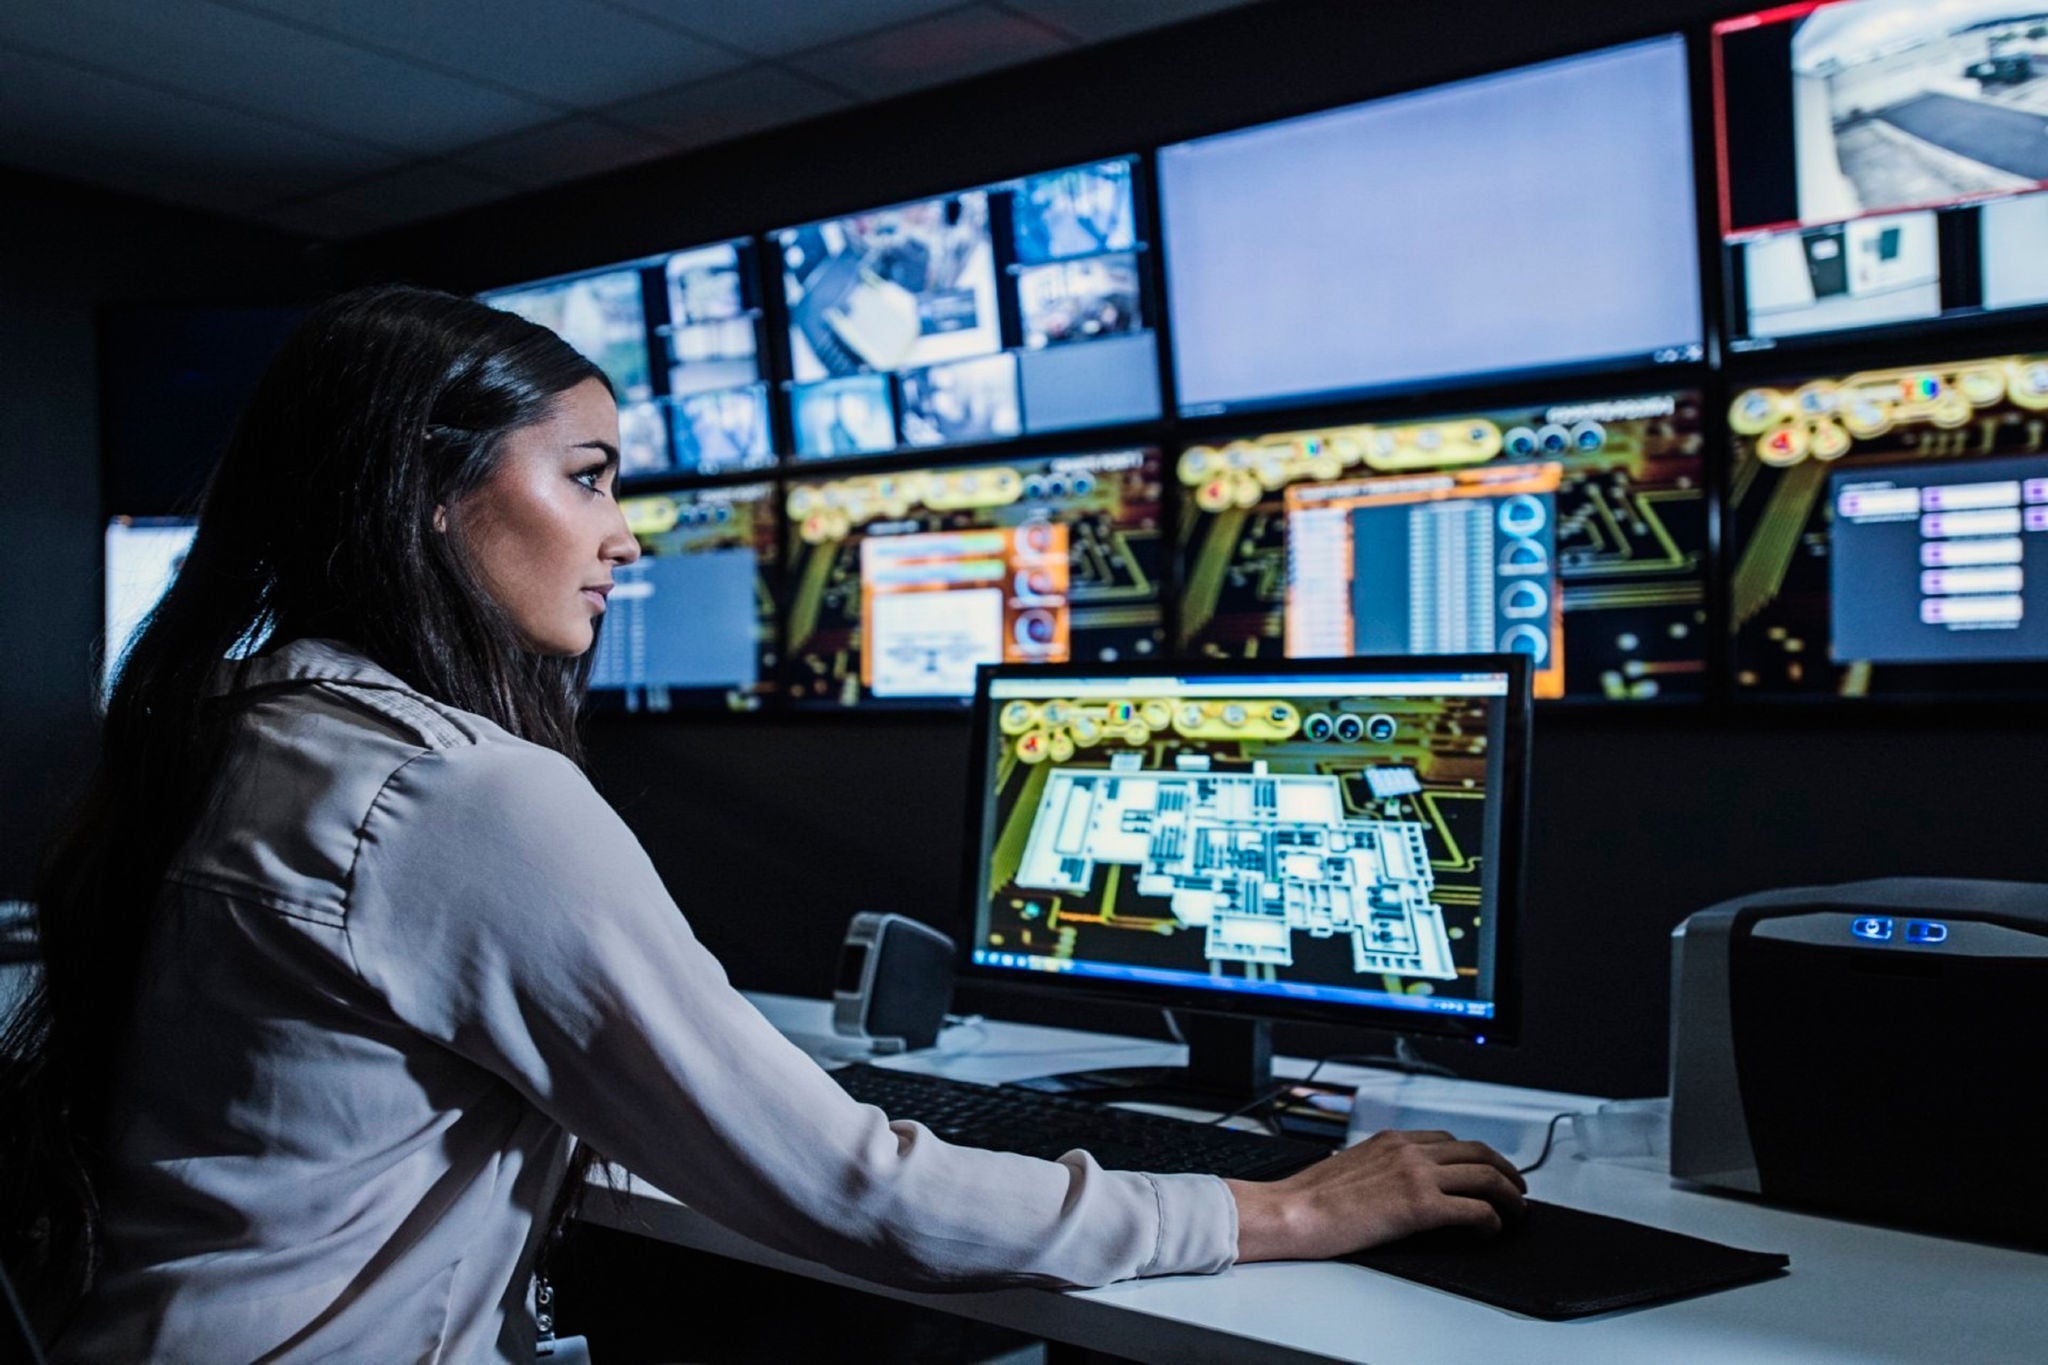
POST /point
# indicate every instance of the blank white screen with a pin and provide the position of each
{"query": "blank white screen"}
(1541, 217)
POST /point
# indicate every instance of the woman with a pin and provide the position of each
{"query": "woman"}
(342, 946)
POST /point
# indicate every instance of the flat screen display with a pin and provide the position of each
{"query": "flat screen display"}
(692, 622)
(679, 336)
(1881, 164)
(1012, 309)
(902, 583)
(1540, 221)
(1265, 839)
(143, 555)
(1573, 533)
(1887, 530)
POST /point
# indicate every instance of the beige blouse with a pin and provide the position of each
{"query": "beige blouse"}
(405, 960)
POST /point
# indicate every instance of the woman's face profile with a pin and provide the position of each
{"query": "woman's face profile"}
(542, 530)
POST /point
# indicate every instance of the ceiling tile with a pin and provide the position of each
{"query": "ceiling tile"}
(83, 125)
(1092, 20)
(773, 28)
(424, 189)
(250, 62)
(567, 149)
(946, 47)
(574, 52)
(728, 106)
(334, 222)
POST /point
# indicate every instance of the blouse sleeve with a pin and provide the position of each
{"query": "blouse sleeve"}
(504, 910)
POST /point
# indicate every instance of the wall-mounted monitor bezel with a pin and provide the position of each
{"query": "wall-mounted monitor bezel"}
(1678, 339)
(1897, 451)
(692, 379)
(1038, 333)
(1841, 223)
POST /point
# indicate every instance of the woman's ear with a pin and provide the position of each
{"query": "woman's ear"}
(441, 517)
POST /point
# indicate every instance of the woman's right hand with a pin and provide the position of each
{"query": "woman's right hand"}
(1382, 1189)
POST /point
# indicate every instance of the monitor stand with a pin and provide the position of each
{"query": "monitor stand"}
(1229, 1069)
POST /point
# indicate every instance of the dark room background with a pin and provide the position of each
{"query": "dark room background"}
(771, 829)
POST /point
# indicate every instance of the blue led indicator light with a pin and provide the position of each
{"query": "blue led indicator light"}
(1926, 931)
(1874, 927)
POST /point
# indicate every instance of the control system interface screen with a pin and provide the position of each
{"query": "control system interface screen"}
(1530, 223)
(692, 622)
(1573, 533)
(1881, 165)
(1012, 309)
(679, 337)
(901, 583)
(1322, 838)
(1889, 531)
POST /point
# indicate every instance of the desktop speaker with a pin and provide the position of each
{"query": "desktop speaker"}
(1875, 1049)
(895, 982)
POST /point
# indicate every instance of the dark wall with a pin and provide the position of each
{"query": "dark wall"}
(772, 830)
(65, 253)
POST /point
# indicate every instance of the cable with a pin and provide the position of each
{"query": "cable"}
(1549, 1135)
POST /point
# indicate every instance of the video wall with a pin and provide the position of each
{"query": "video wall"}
(1754, 413)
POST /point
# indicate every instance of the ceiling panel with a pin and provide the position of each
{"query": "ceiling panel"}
(773, 28)
(193, 152)
(573, 52)
(246, 61)
(1094, 20)
(729, 106)
(946, 47)
(422, 189)
(567, 149)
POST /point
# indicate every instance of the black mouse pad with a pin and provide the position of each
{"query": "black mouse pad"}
(1558, 1262)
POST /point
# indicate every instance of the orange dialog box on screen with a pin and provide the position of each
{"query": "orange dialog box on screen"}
(1453, 562)
(936, 604)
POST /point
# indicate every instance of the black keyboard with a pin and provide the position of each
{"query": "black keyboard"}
(1009, 1119)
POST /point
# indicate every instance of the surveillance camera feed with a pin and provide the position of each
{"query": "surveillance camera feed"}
(679, 337)
(1532, 223)
(1003, 311)
(1881, 165)
(902, 583)
(691, 624)
(1296, 836)
(1881, 524)
(1574, 533)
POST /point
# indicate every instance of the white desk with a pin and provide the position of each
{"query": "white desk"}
(1855, 1293)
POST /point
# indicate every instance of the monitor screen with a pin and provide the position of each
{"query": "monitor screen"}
(1537, 222)
(1013, 309)
(143, 555)
(1880, 162)
(679, 336)
(902, 583)
(1331, 840)
(1574, 533)
(692, 622)
(1881, 527)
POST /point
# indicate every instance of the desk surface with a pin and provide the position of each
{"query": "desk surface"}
(1855, 1293)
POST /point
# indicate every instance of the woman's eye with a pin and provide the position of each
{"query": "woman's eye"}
(589, 477)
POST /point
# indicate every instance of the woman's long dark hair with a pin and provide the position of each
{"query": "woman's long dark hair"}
(383, 406)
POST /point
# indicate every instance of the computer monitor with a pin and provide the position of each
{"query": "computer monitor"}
(1574, 532)
(1885, 529)
(692, 623)
(143, 555)
(1013, 309)
(1335, 841)
(1880, 167)
(679, 336)
(901, 583)
(1531, 223)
